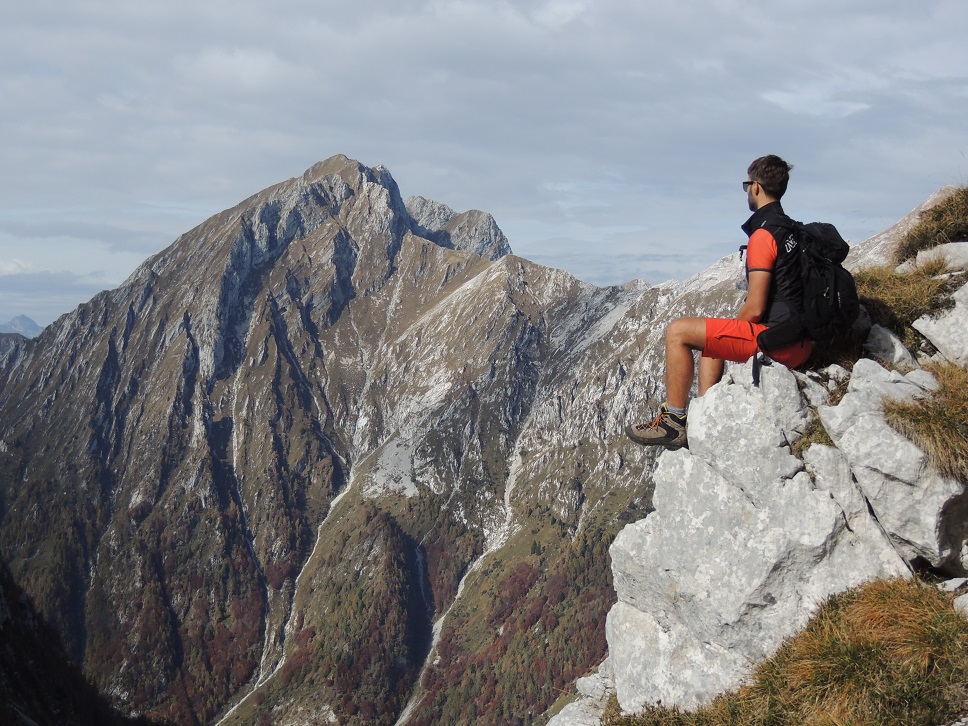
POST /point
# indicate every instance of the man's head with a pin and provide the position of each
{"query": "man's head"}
(771, 175)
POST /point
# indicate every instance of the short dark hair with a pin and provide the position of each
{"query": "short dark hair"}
(772, 173)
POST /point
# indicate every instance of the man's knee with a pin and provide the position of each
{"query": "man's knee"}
(676, 330)
(690, 332)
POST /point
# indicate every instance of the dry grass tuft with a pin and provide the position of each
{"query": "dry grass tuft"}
(889, 652)
(815, 433)
(938, 425)
(943, 223)
(896, 300)
(885, 651)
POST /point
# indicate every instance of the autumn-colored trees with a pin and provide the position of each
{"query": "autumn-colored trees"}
(545, 625)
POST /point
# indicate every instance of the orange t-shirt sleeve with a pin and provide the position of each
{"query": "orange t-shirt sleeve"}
(761, 252)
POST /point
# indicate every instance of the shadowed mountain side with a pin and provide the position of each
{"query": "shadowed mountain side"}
(38, 684)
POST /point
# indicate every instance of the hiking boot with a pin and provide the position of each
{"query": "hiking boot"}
(667, 429)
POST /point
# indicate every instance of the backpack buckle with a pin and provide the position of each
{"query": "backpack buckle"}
(760, 360)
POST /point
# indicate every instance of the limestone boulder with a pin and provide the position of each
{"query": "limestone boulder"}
(947, 331)
(883, 345)
(920, 509)
(594, 692)
(955, 255)
(745, 541)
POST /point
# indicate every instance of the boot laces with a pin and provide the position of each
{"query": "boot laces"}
(657, 421)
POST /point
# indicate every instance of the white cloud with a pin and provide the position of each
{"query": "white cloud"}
(556, 13)
(814, 102)
(249, 69)
(13, 267)
(608, 126)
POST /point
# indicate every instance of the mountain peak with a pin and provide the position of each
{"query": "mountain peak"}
(341, 165)
(21, 324)
(472, 231)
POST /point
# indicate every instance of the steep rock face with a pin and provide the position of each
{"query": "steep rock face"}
(472, 231)
(10, 342)
(745, 542)
(923, 511)
(247, 480)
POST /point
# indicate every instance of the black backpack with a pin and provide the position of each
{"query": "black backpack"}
(828, 304)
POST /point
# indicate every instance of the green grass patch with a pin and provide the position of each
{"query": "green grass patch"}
(889, 652)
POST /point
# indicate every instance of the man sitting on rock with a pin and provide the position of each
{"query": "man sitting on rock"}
(734, 339)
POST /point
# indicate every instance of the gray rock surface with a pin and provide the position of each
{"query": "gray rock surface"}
(912, 501)
(582, 712)
(743, 545)
(954, 253)
(947, 331)
(883, 345)
(954, 585)
(961, 604)
(594, 692)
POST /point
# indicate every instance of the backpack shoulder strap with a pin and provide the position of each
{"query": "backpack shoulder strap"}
(790, 226)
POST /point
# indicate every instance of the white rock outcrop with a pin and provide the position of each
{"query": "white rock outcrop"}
(912, 501)
(746, 540)
(743, 546)
(883, 345)
(947, 331)
(955, 255)
(594, 690)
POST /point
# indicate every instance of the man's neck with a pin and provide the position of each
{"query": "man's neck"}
(765, 201)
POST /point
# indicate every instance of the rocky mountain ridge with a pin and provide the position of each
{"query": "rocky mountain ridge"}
(328, 443)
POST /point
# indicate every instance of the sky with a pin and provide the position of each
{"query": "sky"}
(606, 137)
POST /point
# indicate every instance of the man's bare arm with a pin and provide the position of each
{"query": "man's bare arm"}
(756, 296)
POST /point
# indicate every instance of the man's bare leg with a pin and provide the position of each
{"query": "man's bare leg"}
(710, 373)
(683, 336)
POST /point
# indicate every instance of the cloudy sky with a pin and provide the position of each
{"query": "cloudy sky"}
(607, 137)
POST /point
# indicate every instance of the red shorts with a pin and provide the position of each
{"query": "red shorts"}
(735, 340)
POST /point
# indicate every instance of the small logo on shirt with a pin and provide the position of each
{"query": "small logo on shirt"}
(790, 243)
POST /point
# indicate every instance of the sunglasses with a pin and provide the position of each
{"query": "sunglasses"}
(747, 185)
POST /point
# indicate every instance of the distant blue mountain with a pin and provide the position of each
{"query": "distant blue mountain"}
(23, 325)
